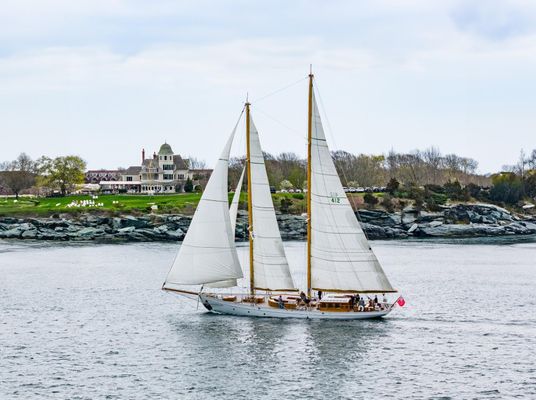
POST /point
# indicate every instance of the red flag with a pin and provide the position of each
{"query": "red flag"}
(401, 301)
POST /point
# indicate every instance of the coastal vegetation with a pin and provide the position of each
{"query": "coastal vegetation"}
(424, 180)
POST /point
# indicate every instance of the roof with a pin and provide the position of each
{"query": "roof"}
(179, 162)
(150, 163)
(132, 171)
(165, 150)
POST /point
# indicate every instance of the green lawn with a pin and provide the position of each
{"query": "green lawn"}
(180, 203)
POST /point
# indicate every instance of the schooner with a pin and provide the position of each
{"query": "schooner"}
(340, 264)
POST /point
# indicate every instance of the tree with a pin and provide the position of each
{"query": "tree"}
(530, 184)
(18, 174)
(195, 163)
(188, 186)
(62, 173)
(507, 188)
(392, 186)
(286, 184)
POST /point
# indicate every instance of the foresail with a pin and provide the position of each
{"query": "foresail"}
(341, 258)
(208, 252)
(271, 270)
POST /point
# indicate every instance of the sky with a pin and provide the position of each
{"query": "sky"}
(103, 79)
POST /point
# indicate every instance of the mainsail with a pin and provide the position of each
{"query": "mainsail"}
(208, 252)
(271, 270)
(341, 258)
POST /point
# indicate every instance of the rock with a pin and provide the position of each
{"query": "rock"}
(135, 222)
(9, 220)
(435, 223)
(413, 228)
(88, 232)
(459, 230)
(175, 235)
(382, 232)
(11, 233)
(29, 234)
(381, 218)
(128, 229)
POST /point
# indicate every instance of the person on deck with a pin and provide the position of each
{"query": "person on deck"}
(319, 295)
(281, 302)
(305, 299)
(361, 306)
(385, 302)
(376, 302)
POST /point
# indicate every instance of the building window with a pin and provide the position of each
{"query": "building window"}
(129, 178)
(168, 177)
(180, 176)
(168, 167)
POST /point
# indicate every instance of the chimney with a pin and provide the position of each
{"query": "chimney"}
(154, 155)
(142, 155)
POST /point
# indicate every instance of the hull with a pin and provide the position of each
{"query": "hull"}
(241, 309)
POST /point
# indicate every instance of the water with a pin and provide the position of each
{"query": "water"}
(89, 322)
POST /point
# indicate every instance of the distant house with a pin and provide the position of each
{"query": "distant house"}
(164, 172)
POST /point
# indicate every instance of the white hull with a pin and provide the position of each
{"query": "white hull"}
(262, 310)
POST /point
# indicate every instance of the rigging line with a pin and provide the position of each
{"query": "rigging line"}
(278, 121)
(279, 90)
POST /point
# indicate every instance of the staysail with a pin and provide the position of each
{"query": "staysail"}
(271, 270)
(341, 258)
(208, 253)
(233, 209)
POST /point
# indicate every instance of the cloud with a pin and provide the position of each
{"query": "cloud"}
(494, 19)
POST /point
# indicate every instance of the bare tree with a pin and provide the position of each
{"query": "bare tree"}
(196, 163)
(433, 159)
(19, 174)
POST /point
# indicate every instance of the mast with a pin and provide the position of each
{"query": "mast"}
(250, 204)
(309, 176)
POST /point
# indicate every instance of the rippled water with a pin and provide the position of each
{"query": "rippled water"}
(89, 322)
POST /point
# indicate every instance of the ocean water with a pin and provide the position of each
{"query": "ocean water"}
(90, 322)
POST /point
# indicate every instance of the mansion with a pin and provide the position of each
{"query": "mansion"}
(164, 172)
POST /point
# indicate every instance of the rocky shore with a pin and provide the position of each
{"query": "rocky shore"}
(463, 220)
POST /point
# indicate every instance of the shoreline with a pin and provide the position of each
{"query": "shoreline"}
(457, 221)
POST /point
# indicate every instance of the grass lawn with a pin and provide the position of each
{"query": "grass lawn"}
(180, 203)
(44, 206)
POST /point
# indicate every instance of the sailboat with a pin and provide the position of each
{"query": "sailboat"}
(341, 268)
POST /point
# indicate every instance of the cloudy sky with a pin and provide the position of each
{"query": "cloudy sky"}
(104, 78)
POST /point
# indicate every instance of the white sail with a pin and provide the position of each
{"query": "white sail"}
(341, 258)
(208, 252)
(271, 270)
(233, 210)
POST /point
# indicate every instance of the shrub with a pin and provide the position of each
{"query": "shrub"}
(387, 203)
(285, 205)
(188, 186)
(370, 199)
